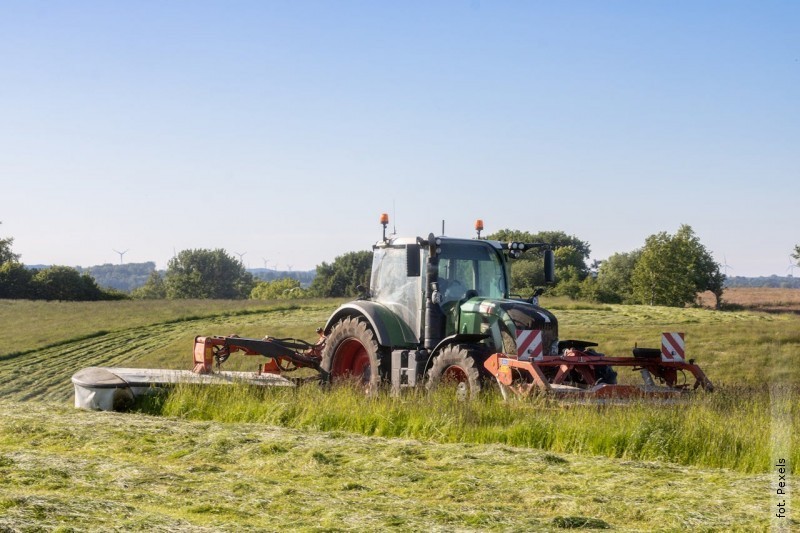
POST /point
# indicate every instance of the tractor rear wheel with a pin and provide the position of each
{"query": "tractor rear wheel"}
(455, 367)
(352, 352)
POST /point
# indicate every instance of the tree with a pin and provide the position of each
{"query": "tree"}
(6, 255)
(614, 278)
(527, 272)
(526, 275)
(343, 276)
(205, 273)
(279, 289)
(15, 281)
(64, 284)
(153, 289)
(672, 269)
(796, 254)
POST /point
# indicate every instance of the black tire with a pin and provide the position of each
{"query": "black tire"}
(455, 366)
(352, 352)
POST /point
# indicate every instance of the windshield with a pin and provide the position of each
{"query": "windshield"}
(470, 266)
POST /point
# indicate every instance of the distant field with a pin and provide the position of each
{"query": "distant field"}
(260, 452)
(759, 299)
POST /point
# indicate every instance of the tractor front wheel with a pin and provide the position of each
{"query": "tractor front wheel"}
(455, 367)
(352, 352)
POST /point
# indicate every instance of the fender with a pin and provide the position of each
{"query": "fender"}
(389, 329)
(458, 338)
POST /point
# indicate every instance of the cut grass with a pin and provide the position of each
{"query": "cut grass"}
(45, 373)
(741, 352)
(29, 325)
(446, 466)
(732, 348)
(93, 471)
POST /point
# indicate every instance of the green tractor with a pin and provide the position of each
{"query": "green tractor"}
(437, 309)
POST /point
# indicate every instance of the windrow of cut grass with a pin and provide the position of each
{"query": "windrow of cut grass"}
(728, 429)
(44, 373)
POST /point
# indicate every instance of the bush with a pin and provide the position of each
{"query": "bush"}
(64, 283)
(279, 289)
(15, 281)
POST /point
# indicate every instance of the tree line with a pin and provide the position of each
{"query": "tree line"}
(668, 270)
(51, 283)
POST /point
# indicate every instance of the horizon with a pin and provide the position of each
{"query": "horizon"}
(305, 271)
(283, 130)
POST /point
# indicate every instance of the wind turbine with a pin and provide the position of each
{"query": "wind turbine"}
(791, 267)
(725, 265)
(241, 255)
(120, 254)
(265, 263)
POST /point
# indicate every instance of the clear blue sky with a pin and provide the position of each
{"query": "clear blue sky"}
(283, 129)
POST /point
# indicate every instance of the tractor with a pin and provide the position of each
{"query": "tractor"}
(438, 311)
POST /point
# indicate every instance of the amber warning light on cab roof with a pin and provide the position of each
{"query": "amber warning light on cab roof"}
(384, 223)
(479, 226)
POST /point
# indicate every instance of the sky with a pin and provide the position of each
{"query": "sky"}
(281, 130)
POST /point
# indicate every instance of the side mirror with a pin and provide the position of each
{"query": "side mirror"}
(549, 266)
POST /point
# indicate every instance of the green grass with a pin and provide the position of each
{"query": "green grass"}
(44, 372)
(728, 429)
(28, 324)
(76, 470)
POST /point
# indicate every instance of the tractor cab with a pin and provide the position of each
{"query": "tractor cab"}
(456, 270)
(444, 289)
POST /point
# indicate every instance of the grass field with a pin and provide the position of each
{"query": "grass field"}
(232, 458)
(88, 471)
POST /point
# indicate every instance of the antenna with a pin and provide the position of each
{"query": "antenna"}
(120, 254)
(394, 217)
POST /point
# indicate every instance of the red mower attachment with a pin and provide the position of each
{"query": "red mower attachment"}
(580, 372)
(284, 355)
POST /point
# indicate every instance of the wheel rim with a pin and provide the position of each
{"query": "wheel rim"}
(352, 359)
(456, 376)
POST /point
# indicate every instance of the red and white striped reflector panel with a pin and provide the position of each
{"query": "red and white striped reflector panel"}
(672, 347)
(529, 344)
